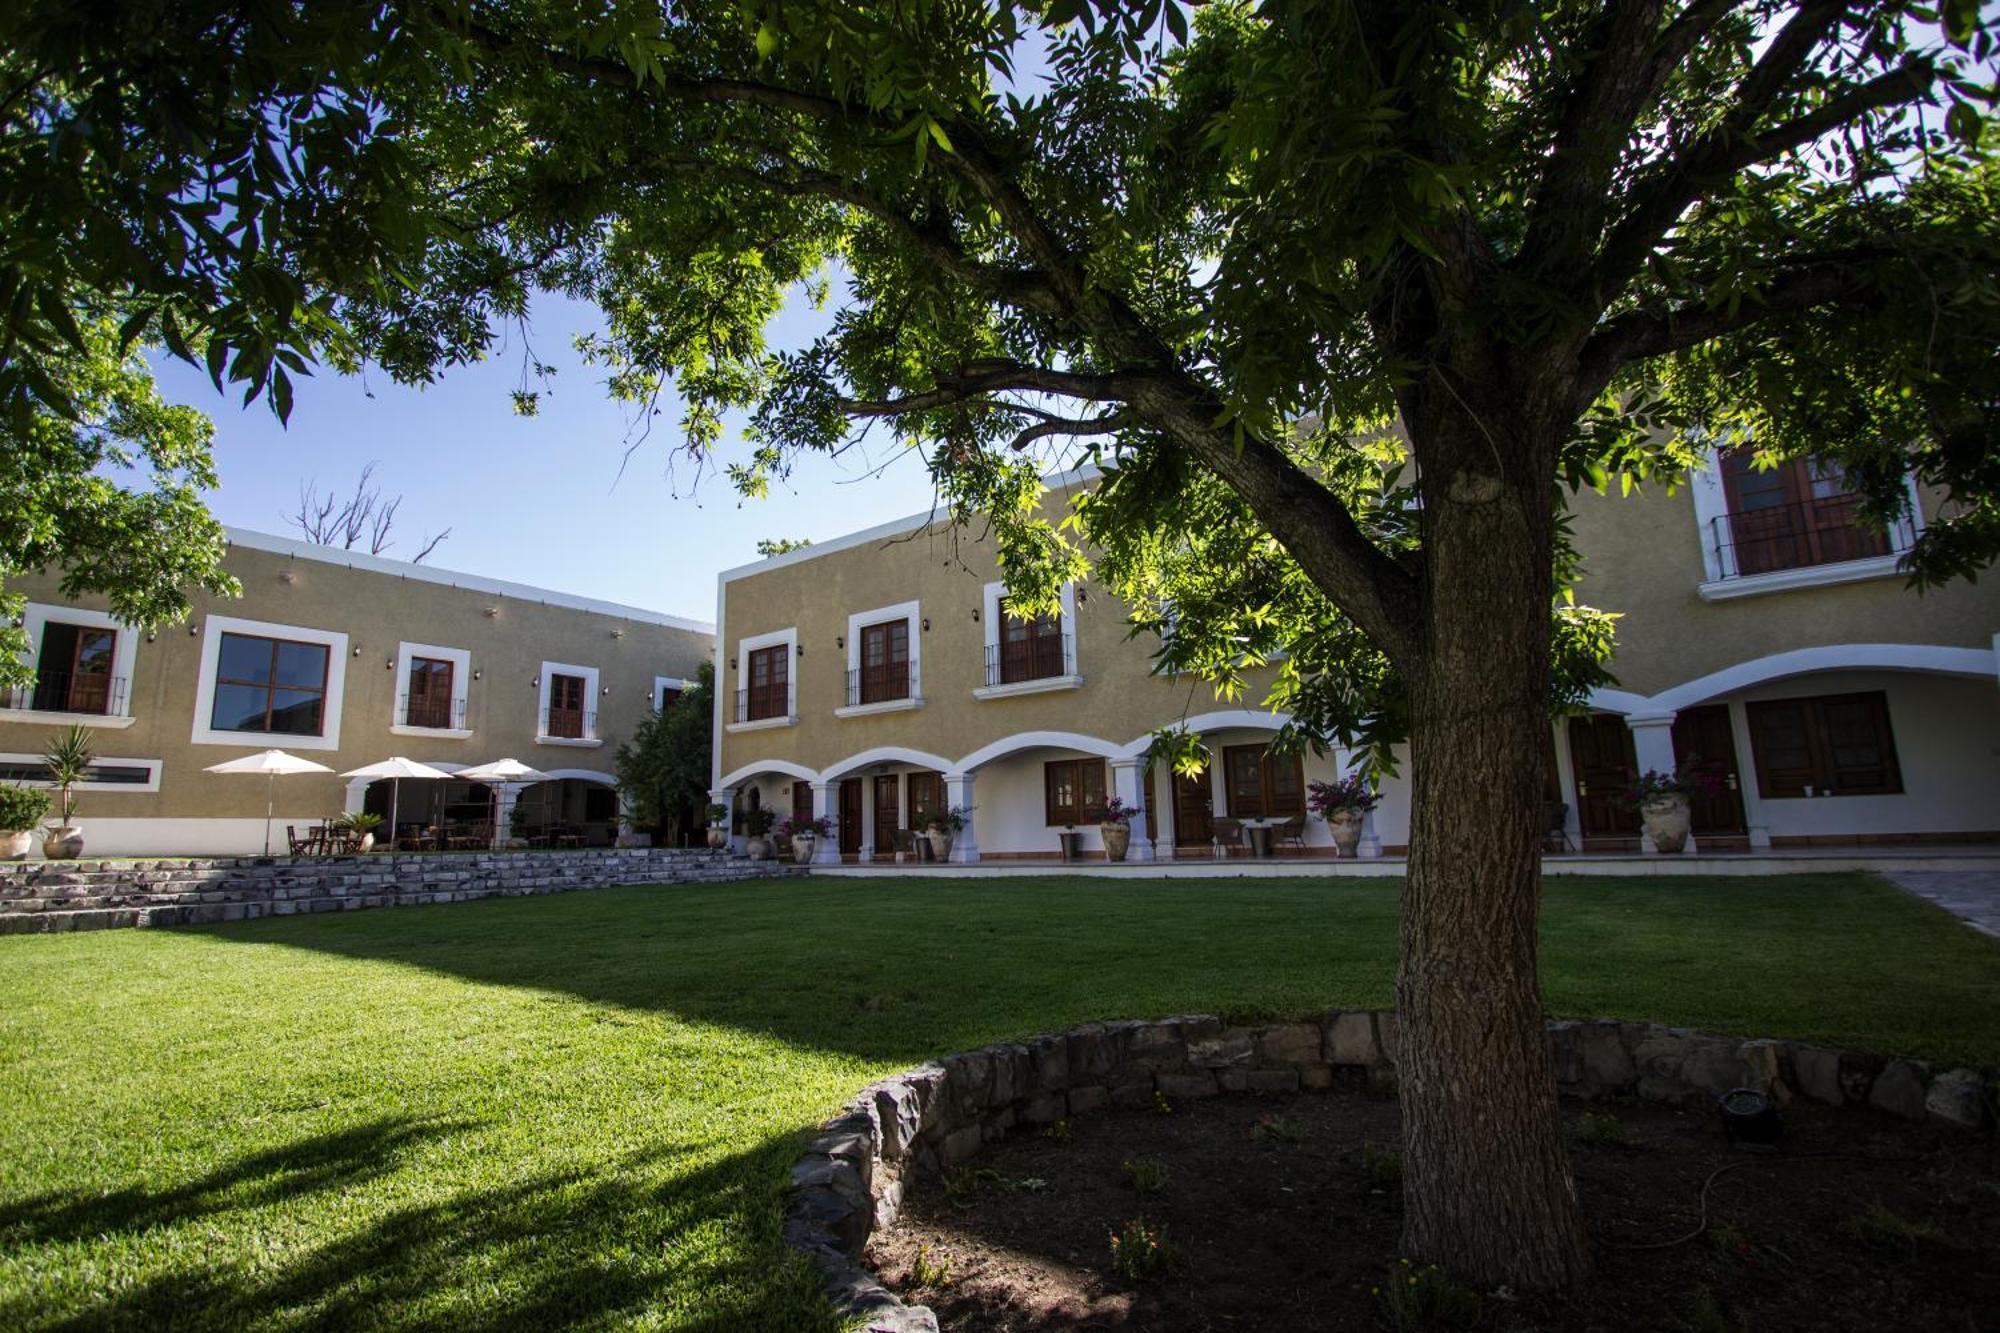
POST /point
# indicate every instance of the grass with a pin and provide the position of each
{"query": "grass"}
(579, 1109)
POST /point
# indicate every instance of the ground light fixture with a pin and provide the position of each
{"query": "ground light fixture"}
(1750, 1119)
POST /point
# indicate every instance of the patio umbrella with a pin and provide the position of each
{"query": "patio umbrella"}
(502, 770)
(396, 770)
(272, 764)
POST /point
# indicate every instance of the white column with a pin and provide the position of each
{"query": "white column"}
(1127, 786)
(867, 852)
(726, 797)
(1653, 746)
(503, 815)
(1161, 821)
(1755, 819)
(826, 805)
(958, 794)
(1566, 784)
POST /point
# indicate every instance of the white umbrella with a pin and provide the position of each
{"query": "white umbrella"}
(502, 770)
(270, 763)
(396, 770)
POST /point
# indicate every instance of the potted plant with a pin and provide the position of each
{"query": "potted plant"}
(718, 826)
(1662, 802)
(757, 828)
(1071, 843)
(805, 835)
(1116, 828)
(360, 825)
(1344, 805)
(939, 827)
(68, 758)
(21, 808)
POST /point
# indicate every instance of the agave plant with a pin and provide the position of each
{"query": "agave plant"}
(68, 758)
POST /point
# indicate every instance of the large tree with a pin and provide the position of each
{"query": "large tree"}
(1344, 294)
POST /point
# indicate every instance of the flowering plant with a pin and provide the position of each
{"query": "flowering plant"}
(820, 827)
(949, 820)
(1686, 780)
(758, 822)
(1351, 794)
(1117, 812)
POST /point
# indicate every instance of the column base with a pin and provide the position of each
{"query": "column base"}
(962, 853)
(1140, 849)
(826, 853)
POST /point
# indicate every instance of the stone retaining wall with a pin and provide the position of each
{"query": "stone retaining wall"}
(45, 896)
(934, 1117)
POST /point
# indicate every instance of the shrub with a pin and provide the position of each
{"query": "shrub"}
(21, 808)
(68, 758)
(1141, 1250)
(1426, 1297)
(1602, 1128)
(930, 1269)
(1148, 1175)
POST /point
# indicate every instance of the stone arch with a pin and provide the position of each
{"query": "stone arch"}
(1035, 740)
(885, 754)
(784, 766)
(1828, 657)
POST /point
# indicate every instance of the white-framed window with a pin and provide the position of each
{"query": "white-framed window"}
(107, 773)
(767, 681)
(666, 689)
(83, 663)
(1793, 526)
(433, 687)
(566, 710)
(884, 660)
(265, 684)
(1028, 656)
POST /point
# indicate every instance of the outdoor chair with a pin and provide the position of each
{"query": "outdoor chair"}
(782, 842)
(906, 845)
(299, 846)
(1228, 834)
(1292, 833)
(1555, 827)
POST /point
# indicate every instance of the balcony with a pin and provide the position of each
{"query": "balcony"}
(763, 706)
(567, 726)
(73, 694)
(431, 712)
(1798, 544)
(1030, 666)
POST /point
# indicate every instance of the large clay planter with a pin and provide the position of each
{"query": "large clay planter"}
(718, 837)
(62, 843)
(1346, 828)
(757, 847)
(1666, 819)
(14, 844)
(940, 841)
(802, 847)
(366, 842)
(1117, 840)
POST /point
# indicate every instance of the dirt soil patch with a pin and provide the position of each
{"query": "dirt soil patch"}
(1283, 1213)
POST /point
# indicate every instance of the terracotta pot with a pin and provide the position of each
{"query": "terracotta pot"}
(366, 843)
(62, 843)
(1346, 827)
(14, 844)
(802, 847)
(718, 837)
(1667, 821)
(1072, 844)
(940, 841)
(1117, 840)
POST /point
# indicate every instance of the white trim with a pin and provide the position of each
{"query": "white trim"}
(1831, 657)
(1720, 580)
(789, 636)
(461, 688)
(375, 564)
(887, 754)
(785, 767)
(1046, 685)
(911, 614)
(1806, 576)
(213, 628)
(550, 670)
(723, 698)
(35, 618)
(1033, 740)
(661, 684)
(1605, 700)
(151, 784)
(598, 776)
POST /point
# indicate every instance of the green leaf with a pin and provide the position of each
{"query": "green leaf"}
(767, 41)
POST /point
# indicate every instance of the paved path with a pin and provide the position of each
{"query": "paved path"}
(1973, 895)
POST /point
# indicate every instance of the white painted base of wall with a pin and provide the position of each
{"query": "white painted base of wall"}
(186, 837)
(1805, 862)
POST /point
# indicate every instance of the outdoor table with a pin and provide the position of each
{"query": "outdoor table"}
(1259, 833)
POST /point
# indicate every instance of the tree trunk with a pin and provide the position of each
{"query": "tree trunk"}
(1487, 1191)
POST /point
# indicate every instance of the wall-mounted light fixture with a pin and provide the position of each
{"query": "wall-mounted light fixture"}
(605, 691)
(356, 651)
(193, 631)
(288, 576)
(491, 612)
(802, 650)
(927, 624)
(536, 682)
(151, 635)
(389, 665)
(840, 640)
(475, 675)
(975, 615)
(618, 632)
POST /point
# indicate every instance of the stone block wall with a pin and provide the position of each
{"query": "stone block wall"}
(48, 896)
(936, 1116)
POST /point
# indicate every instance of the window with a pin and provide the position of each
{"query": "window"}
(669, 696)
(73, 671)
(269, 685)
(429, 702)
(926, 794)
(769, 692)
(1029, 649)
(1797, 514)
(104, 774)
(567, 718)
(1830, 745)
(885, 663)
(1262, 785)
(1073, 791)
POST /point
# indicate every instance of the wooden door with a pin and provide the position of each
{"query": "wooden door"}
(90, 671)
(1193, 805)
(926, 794)
(850, 816)
(1604, 765)
(1704, 741)
(566, 706)
(888, 817)
(1797, 514)
(802, 803)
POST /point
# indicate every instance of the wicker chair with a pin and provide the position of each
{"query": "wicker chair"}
(1228, 833)
(1291, 833)
(1555, 827)
(908, 848)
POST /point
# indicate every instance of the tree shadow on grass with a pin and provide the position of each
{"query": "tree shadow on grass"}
(564, 1248)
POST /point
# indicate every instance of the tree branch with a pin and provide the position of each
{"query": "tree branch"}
(971, 383)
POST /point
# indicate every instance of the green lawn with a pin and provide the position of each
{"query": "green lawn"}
(579, 1109)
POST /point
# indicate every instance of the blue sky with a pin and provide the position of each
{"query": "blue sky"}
(538, 499)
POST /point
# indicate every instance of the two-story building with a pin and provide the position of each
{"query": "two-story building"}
(1765, 635)
(345, 659)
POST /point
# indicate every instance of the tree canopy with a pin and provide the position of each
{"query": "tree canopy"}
(663, 770)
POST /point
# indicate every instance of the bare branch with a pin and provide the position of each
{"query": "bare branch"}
(361, 519)
(431, 545)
